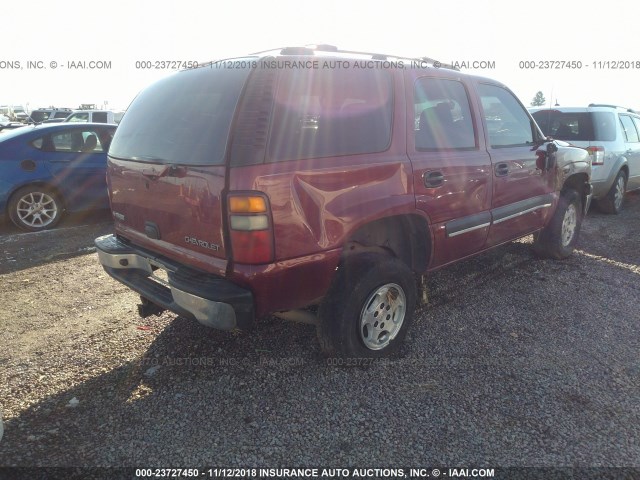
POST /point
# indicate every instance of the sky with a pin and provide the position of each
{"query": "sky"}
(44, 43)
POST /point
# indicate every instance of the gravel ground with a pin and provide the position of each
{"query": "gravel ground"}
(515, 362)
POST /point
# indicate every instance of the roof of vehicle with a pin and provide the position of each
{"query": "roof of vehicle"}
(51, 127)
(592, 107)
(52, 109)
(96, 110)
(329, 52)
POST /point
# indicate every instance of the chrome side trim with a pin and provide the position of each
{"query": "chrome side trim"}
(470, 229)
(529, 210)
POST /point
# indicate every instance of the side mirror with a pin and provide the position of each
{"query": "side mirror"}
(550, 161)
(546, 158)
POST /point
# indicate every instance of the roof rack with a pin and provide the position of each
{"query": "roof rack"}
(631, 110)
(311, 49)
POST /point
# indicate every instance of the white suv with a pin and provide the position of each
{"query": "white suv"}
(611, 134)
(95, 116)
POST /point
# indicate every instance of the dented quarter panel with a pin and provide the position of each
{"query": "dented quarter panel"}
(317, 208)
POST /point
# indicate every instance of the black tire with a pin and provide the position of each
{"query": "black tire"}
(557, 240)
(613, 200)
(35, 208)
(380, 281)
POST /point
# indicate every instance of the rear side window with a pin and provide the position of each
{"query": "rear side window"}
(629, 129)
(508, 123)
(182, 119)
(580, 126)
(442, 115)
(79, 117)
(330, 112)
(79, 141)
(100, 117)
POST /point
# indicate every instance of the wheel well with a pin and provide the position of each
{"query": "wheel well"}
(577, 182)
(625, 169)
(406, 237)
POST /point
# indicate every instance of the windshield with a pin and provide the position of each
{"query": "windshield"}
(184, 118)
(577, 126)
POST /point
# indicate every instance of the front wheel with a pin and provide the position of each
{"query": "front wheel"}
(369, 308)
(35, 208)
(557, 240)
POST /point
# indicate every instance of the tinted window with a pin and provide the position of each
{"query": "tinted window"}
(40, 115)
(508, 123)
(61, 115)
(184, 118)
(629, 129)
(583, 126)
(329, 112)
(100, 117)
(442, 115)
(636, 121)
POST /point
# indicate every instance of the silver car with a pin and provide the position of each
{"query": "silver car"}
(611, 134)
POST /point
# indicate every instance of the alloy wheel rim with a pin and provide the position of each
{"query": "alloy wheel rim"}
(37, 209)
(569, 224)
(619, 195)
(382, 316)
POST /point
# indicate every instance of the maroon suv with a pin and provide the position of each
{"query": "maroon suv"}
(312, 177)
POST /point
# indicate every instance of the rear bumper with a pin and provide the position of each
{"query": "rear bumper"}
(213, 301)
(600, 189)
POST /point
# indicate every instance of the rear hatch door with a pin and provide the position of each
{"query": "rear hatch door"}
(166, 168)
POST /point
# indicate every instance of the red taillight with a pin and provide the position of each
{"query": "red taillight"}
(596, 154)
(250, 228)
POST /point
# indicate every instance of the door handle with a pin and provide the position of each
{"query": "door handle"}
(433, 179)
(502, 169)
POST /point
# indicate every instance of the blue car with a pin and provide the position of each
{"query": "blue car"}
(48, 169)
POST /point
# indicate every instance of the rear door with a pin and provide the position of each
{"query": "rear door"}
(167, 171)
(631, 127)
(522, 192)
(77, 160)
(451, 168)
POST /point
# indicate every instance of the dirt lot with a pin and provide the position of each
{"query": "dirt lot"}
(515, 362)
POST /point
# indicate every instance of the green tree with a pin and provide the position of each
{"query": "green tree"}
(538, 100)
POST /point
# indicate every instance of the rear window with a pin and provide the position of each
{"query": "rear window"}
(577, 126)
(182, 119)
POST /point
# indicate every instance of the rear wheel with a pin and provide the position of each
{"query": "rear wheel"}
(35, 208)
(369, 308)
(559, 237)
(612, 201)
